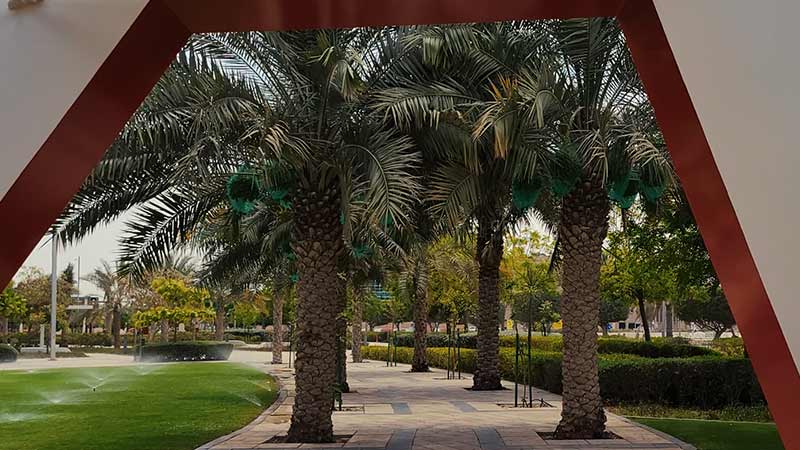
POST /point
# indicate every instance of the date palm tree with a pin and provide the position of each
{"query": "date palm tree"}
(113, 285)
(607, 149)
(288, 110)
(448, 92)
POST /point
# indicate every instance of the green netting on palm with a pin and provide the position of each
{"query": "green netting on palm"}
(566, 170)
(361, 251)
(243, 190)
(652, 187)
(624, 190)
(524, 195)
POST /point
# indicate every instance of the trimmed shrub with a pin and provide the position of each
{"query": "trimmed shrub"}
(655, 349)
(729, 346)
(699, 382)
(665, 348)
(8, 353)
(186, 351)
(88, 340)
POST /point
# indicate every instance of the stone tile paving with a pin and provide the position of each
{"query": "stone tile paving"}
(392, 409)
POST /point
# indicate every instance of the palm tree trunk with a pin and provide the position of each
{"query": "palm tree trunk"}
(358, 322)
(219, 320)
(583, 227)
(108, 321)
(489, 255)
(116, 325)
(277, 328)
(320, 297)
(164, 330)
(643, 316)
(419, 362)
(3, 325)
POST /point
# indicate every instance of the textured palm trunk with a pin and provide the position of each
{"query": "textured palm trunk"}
(320, 293)
(219, 321)
(3, 326)
(583, 227)
(489, 254)
(164, 330)
(419, 362)
(116, 326)
(277, 328)
(358, 322)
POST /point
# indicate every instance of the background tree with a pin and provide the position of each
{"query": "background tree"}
(34, 286)
(113, 286)
(13, 306)
(634, 273)
(449, 92)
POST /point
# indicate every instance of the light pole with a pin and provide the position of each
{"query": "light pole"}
(53, 295)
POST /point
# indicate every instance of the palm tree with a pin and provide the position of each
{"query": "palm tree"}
(112, 285)
(287, 111)
(450, 93)
(607, 146)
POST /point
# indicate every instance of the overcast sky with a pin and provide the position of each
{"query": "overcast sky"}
(102, 244)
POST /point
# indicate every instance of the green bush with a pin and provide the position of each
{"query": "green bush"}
(662, 348)
(8, 353)
(88, 340)
(729, 346)
(186, 351)
(700, 382)
(655, 349)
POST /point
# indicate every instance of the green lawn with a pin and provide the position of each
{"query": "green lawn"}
(717, 435)
(148, 407)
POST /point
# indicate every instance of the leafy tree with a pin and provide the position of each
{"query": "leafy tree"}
(181, 304)
(708, 308)
(699, 297)
(13, 306)
(634, 272)
(452, 280)
(612, 309)
(34, 286)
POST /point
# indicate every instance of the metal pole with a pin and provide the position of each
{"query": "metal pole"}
(530, 381)
(458, 353)
(516, 366)
(53, 294)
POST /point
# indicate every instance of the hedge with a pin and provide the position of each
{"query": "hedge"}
(186, 351)
(699, 382)
(729, 346)
(8, 353)
(655, 349)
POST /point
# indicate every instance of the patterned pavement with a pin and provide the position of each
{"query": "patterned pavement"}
(392, 409)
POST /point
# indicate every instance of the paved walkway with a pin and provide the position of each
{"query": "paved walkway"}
(392, 409)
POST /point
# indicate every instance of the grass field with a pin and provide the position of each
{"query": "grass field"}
(148, 407)
(718, 435)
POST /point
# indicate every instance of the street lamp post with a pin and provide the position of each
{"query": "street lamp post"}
(53, 295)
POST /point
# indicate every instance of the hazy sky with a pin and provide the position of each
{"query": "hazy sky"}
(102, 244)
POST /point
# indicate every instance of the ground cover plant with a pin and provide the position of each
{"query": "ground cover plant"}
(150, 407)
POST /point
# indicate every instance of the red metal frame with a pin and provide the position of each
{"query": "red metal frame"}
(91, 124)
